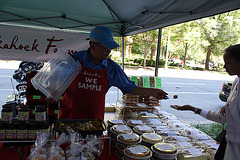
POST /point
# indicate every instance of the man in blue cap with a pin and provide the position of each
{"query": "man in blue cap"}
(85, 97)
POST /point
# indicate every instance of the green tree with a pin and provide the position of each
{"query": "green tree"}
(218, 32)
(144, 43)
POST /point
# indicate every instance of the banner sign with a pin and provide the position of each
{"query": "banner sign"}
(27, 44)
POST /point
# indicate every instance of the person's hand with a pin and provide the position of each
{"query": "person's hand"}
(223, 110)
(184, 107)
(160, 94)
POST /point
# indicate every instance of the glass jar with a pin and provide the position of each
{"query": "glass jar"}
(23, 113)
(11, 131)
(32, 130)
(2, 132)
(22, 131)
(7, 114)
(40, 113)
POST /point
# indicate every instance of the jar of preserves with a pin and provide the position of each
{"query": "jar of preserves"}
(23, 113)
(7, 114)
(2, 132)
(11, 131)
(32, 130)
(40, 113)
(22, 131)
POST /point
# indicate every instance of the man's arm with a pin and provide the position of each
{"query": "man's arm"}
(157, 93)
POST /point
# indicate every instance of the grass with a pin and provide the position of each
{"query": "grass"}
(212, 129)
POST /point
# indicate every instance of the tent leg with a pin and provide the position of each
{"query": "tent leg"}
(122, 52)
(158, 51)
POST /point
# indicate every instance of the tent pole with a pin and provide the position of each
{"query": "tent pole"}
(158, 51)
(123, 52)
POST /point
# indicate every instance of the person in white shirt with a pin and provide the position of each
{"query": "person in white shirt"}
(230, 113)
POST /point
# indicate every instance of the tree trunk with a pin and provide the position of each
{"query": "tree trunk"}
(185, 55)
(153, 52)
(208, 58)
(129, 41)
(145, 57)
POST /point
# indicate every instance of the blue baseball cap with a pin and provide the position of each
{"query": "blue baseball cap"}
(104, 36)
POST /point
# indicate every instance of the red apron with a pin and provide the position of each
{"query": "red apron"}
(85, 97)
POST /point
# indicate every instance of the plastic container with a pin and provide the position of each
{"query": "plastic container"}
(56, 75)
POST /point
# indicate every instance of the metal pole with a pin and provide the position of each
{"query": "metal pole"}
(158, 51)
(123, 52)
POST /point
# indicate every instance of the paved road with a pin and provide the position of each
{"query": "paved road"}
(197, 88)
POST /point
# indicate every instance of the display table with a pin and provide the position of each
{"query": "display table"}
(21, 151)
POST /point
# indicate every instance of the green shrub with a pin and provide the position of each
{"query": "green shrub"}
(173, 64)
(212, 129)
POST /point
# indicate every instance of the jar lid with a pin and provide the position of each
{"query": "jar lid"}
(137, 151)
(164, 148)
(151, 137)
(118, 129)
(128, 138)
(24, 106)
(116, 122)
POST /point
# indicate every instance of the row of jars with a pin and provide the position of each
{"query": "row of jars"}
(22, 131)
(8, 113)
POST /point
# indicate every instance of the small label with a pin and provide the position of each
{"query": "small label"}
(143, 128)
(21, 134)
(146, 82)
(194, 151)
(32, 134)
(134, 79)
(122, 128)
(7, 116)
(2, 134)
(40, 116)
(158, 82)
(129, 136)
(23, 116)
(36, 97)
(138, 149)
(11, 134)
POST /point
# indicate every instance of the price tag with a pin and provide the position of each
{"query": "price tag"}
(194, 151)
(36, 97)
(134, 79)
(158, 82)
(129, 136)
(146, 82)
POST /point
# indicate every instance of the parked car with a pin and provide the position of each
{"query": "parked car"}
(226, 88)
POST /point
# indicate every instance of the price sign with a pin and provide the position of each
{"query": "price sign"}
(158, 82)
(134, 79)
(146, 82)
